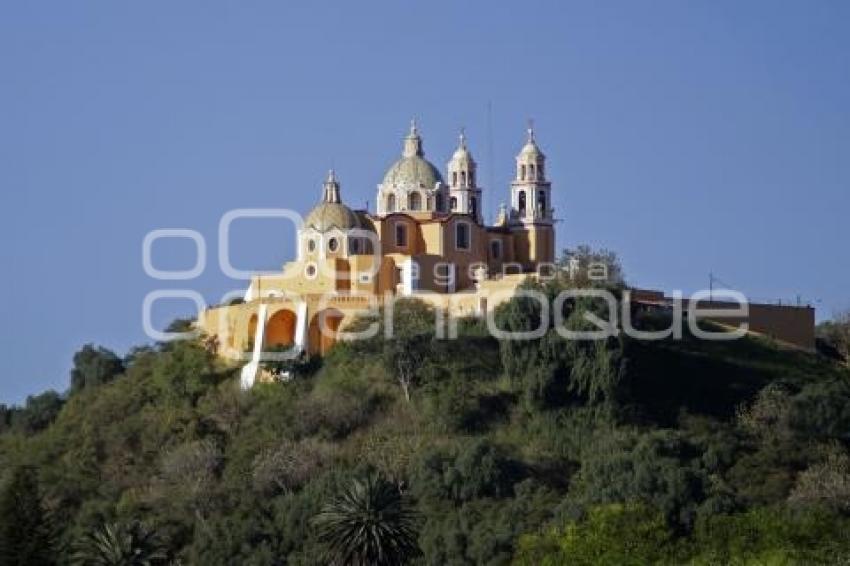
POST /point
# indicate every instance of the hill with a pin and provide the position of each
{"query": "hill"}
(535, 452)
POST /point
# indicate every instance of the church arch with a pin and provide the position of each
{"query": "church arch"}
(323, 331)
(280, 329)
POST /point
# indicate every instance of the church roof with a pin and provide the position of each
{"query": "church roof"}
(328, 215)
(331, 213)
(412, 170)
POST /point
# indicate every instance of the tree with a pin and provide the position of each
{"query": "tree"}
(121, 545)
(586, 267)
(289, 465)
(38, 413)
(369, 523)
(836, 334)
(611, 534)
(25, 533)
(409, 346)
(769, 418)
(94, 367)
(657, 468)
(826, 483)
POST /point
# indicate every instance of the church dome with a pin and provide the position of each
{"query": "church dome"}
(328, 215)
(412, 170)
(530, 149)
(331, 213)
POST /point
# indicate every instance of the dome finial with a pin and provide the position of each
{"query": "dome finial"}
(530, 130)
(413, 143)
(462, 138)
(330, 188)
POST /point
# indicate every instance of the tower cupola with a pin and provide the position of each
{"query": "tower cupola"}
(413, 142)
(530, 191)
(464, 193)
(330, 188)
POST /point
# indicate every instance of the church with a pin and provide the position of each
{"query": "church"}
(427, 239)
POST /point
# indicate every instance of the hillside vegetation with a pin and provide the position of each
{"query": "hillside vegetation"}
(535, 452)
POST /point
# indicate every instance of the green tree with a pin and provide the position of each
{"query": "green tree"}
(25, 533)
(38, 413)
(94, 367)
(119, 544)
(409, 345)
(586, 267)
(611, 534)
(836, 335)
(369, 524)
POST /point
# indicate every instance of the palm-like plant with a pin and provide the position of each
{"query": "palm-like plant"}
(369, 523)
(121, 545)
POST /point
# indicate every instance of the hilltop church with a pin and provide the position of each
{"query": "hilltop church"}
(427, 239)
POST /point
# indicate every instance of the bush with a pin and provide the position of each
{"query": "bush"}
(612, 534)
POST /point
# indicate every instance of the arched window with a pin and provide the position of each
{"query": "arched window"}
(463, 178)
(540, 171)
(462, 236)
(414, 201)
(473, 206)
(391, 203)
(522, 173)
(471, 179)
(354, 246)
(531, 176)
(453, 203)
(541, 202)
(454, 179)
(438, 202)
(522, 203)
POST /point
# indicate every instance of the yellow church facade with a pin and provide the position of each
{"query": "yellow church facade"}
(427, 239)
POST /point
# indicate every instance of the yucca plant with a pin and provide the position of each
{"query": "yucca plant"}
(369, 524)
(121, 545)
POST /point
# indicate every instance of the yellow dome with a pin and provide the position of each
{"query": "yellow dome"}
(331, 213)
(328, 215)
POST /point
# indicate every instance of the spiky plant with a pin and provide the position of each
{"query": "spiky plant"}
(121, 545)
(369, 523)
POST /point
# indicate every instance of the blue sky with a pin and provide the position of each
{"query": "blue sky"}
(690, 137)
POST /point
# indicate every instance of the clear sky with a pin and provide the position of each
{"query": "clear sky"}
(690, 137)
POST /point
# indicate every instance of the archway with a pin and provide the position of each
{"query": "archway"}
(280, 329)
(323, 330)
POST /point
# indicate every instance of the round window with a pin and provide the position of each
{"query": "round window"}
(310, 270)
(311, 245)
(333, 244)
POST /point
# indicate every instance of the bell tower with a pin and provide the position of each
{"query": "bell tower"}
(531, 216)
(464, 192)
